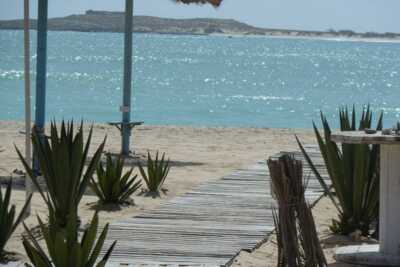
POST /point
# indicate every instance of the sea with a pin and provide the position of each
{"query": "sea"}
(218, 81)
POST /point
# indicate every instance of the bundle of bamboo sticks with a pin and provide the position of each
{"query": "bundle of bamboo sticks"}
(298, 243)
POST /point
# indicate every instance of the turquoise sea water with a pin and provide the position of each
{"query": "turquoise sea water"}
(205, 81)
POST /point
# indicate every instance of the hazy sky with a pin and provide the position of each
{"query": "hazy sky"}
(359, 15)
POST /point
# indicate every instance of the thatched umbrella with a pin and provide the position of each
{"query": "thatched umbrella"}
(213, 2)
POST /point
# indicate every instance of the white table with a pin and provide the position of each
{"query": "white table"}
(387, 253)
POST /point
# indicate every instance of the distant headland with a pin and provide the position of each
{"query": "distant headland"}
(105, 21)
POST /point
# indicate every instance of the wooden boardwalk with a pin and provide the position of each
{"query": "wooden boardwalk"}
(207, 226)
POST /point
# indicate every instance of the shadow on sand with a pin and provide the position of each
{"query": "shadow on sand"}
(135, 160)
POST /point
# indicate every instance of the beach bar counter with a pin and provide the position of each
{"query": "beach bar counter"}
(387, 253)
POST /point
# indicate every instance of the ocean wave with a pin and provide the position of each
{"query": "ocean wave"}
(265, 98)
(89, 58)
(11, 74)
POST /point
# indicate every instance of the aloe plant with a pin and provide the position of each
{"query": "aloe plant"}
(62, 160)
(64, 248)
(157, 172)
(353, 170)
(112, 186)
(8, 220)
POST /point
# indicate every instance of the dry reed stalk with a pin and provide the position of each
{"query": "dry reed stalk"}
(298, 243)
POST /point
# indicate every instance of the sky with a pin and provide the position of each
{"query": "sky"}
(358, 15)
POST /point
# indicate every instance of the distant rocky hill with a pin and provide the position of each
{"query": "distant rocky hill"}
(104, 21)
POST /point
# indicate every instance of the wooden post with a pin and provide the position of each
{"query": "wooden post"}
(28, 182)
(41, 61)
(389, 206)
(126, 102)
(41, 64)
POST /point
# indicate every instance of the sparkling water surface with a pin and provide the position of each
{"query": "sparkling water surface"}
(204, 81)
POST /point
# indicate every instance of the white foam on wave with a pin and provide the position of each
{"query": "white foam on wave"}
(266, 98)
(11, 74)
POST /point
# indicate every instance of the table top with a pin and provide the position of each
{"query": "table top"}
(360, 137)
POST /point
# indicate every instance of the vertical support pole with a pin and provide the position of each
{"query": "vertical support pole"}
(28, 182)
(389, 218)
(126, 102)
(41, 71)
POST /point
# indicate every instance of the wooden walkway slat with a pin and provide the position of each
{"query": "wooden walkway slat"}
(207, 226)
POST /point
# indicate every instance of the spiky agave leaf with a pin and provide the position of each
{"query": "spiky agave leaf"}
(327, 189)
(62, 160)
(353, 170)
(112, 186)
(64, 248)
(8, 222)
(157, 172)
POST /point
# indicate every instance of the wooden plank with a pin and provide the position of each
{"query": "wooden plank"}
(360, 137)
(207, 226)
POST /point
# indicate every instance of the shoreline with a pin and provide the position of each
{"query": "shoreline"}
(87, 123)
(327, 37)
(322, 37)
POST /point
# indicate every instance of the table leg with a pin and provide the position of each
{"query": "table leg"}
(389, 218)
(387, 253)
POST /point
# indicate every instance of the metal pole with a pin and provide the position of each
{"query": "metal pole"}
(126, 102)
(28, 182)
(41, 71)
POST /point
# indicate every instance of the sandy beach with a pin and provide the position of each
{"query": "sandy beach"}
(198, 155)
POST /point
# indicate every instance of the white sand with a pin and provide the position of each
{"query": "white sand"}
(202, 154)
(266, 254)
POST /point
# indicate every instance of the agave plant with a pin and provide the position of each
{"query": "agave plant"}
(62, 160)
(157, 172)
(8, 222)
(64, 248)
(113, 187)
(354, 172)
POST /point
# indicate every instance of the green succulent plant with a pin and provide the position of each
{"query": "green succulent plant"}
(112, 186)
(8, 220)
(64, 248)
(62, 159)
(353, 170)
(157, 172)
